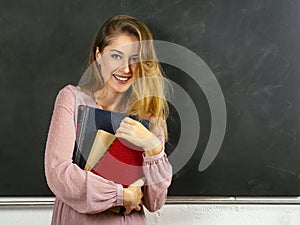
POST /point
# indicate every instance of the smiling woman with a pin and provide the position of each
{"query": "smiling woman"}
(118, 62)
(129, 43)
(124, 76)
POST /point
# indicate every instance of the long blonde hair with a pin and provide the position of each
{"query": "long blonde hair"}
(146, 97)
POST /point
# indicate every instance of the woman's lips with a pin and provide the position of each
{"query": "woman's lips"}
(122, 79)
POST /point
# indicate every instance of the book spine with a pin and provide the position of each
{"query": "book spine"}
(83, 129)
(81, 123)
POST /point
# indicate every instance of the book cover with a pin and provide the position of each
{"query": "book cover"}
(102, 143)
(99, 151)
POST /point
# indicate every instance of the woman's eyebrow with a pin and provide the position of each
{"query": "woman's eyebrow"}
(116, 51)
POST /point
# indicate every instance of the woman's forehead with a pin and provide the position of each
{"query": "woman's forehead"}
(127, 44)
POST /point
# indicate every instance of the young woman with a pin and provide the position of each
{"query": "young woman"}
(124, 76)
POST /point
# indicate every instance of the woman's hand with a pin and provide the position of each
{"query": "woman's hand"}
(133, 196)
(134, 132)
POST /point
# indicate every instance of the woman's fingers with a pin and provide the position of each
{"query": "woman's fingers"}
(133, 196)
(128, 120)
(138, 208)
(122, 130)
(125, 127)
(134, 132)
(128, 210)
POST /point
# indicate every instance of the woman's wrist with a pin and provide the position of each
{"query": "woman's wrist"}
(153, 152)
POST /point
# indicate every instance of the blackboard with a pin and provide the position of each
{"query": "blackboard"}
(252, 47)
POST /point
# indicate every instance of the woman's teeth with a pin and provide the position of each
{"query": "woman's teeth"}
(121, 78)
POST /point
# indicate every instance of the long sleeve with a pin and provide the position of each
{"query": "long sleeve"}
(81, 190)
(158, 173)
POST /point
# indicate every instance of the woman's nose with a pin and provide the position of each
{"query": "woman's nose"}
(126, 67)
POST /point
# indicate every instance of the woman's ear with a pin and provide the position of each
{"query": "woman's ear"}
(98, 55)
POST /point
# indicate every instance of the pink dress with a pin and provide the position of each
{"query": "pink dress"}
(83, 198)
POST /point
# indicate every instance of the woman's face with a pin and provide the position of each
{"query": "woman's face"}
(118, 62)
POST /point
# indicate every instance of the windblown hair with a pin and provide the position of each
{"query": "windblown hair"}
(146, 97)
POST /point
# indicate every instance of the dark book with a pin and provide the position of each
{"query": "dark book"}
(99, 151)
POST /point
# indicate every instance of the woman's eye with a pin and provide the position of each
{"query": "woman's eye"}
(134, 59)
(116, 56)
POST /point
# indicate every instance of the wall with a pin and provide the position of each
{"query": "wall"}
(176, 214)
(226, 215)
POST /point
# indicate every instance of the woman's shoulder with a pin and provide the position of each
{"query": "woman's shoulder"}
(66, 94)
(76, 93)
(69, 88)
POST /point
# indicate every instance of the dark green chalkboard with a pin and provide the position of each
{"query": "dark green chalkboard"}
(251, 46)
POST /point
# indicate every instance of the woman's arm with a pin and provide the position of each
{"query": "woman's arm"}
(82, 190)
(158, 173)
(157, 169)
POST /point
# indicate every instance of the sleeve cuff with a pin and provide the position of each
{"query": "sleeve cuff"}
(120, 195)
(154, 158)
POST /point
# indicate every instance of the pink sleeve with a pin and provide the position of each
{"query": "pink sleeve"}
(82, 190)
(158, 174)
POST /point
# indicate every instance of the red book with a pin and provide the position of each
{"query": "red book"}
(120, 164)
(99, 151)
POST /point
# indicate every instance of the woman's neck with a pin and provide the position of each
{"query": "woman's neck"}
(108, 100)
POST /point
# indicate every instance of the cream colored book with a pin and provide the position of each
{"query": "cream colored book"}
(103, 140)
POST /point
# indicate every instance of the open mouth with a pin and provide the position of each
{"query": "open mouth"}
(121, 78)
